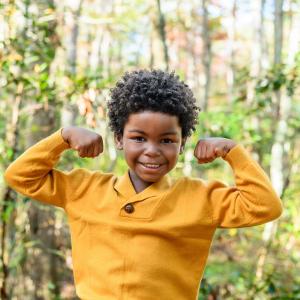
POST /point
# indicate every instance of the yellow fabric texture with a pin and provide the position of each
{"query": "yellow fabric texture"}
(159, 250)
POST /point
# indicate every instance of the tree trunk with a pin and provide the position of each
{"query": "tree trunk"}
(162, 34)
(294, 38)
(207, 54)
(255, 51)
(8, 199)
(277, 152)
(42, 264)
(264, 55)
(231, 47)
(278, 31)
(151, 50)
(72, 54)
(68, 110)
(256, 60)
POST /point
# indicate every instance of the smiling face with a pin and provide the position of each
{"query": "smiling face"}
(151, 142)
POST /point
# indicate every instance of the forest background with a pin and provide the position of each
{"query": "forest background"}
(58, 60)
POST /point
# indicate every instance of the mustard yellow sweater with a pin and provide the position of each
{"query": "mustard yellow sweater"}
(145, 246)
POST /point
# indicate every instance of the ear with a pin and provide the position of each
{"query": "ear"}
(118, 141)
(182, 145)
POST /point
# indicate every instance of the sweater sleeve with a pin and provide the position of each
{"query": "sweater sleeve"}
(33, 173)
(252, 201)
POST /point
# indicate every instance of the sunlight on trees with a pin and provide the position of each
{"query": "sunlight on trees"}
(58, 60)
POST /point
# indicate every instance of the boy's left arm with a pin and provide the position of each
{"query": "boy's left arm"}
(252, 201)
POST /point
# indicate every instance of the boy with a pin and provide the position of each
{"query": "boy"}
(142, 236)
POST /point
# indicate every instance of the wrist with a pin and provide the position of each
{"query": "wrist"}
(65, 134)
(232, 144)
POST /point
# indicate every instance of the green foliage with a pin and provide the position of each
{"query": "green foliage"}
(7, 211)
(253, 126)
(28, 56)
(26, 59)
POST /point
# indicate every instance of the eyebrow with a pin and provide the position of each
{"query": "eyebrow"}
(142, 132)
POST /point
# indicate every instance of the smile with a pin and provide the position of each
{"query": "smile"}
(151, 166)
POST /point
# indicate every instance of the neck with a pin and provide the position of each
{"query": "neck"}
(138, 184)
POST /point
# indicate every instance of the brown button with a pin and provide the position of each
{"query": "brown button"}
(129, 208)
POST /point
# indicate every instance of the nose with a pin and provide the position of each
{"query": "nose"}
(152, 150)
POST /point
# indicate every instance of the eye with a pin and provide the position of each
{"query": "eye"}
(138, 139)
(167, 141)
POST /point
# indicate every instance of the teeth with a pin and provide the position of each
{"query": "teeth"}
(153, 166)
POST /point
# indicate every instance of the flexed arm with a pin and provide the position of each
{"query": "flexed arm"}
(252, 201)
(33, 173)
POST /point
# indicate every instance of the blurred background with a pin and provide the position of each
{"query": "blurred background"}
(58, 61)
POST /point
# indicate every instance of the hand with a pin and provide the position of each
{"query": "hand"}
(208, 149)
(86, 142)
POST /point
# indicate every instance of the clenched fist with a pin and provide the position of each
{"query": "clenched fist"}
(86, 142)
(209, 149)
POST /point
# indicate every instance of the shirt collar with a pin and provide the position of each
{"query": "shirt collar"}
(125, 187)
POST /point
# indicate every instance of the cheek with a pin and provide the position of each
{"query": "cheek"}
(132, 151)
(172, 153)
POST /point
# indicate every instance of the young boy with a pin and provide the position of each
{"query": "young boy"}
(142, 236)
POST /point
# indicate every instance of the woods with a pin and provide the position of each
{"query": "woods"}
(58, 61)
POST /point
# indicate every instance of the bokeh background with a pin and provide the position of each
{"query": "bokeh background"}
(58, 61)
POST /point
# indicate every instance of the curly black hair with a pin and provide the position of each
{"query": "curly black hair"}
(156, 91)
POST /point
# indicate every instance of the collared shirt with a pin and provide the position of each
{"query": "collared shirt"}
(148, 245)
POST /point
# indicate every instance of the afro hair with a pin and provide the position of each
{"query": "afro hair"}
(156, 91)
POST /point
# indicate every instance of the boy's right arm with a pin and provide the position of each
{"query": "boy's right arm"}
(33, 173)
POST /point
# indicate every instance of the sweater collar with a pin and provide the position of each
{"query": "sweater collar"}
(125, 187)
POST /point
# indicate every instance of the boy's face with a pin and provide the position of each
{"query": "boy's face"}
(151, 142)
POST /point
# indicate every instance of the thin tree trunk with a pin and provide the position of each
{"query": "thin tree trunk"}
(278, 32)
(255, 51)
(231, 48)
(193, 38)
(12, 140)
(294, 37)
(277, 152)
(96, 40)
(207, 54)
(151, 36)
(256, 60)
(162, 34)
(107, 45)
(68, 110)
(42, 265)
(72, 55)
(7, 208)
(264, 57)
(106, 53)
